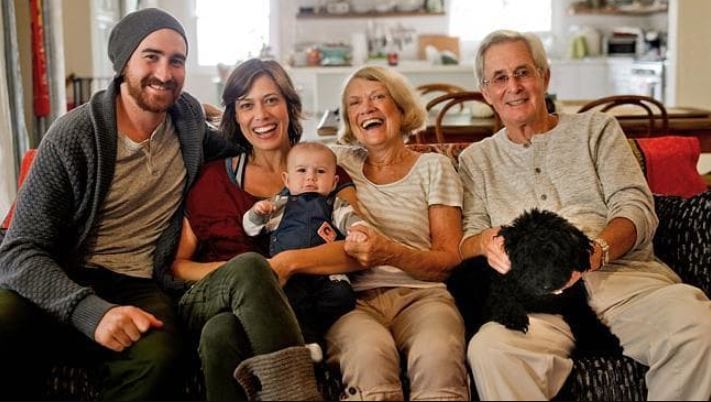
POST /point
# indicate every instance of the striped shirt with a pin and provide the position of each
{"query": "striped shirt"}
(400, 210)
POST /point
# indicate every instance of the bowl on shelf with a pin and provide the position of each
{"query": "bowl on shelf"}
(335, 55)
(409, 6)
(362, 6)
(385, 6)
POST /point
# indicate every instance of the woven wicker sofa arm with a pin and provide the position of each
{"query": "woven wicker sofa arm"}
(683, 238)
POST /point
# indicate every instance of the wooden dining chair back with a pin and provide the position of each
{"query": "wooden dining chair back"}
(645, 102)
(425, 89)
(435, 89)
(447, 101)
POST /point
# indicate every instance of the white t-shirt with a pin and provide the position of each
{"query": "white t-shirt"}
(400, 210)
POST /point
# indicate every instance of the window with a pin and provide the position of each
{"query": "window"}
(473, 20)
(229, 31)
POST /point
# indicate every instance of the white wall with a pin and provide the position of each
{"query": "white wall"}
(76, 15)
(690, 30)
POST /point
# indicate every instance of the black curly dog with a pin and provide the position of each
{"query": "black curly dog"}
(544, 250)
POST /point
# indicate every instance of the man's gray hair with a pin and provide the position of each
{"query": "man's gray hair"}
(532, 41)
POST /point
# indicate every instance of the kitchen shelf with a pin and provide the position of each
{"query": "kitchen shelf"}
(583, 9)
(371, 14)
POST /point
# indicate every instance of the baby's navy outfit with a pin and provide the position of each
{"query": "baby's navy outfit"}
(303, 221)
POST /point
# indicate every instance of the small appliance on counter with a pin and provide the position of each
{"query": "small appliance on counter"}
(624, 42)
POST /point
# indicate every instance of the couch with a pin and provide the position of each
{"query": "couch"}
(683, 240)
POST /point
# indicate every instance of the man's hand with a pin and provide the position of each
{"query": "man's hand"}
(123, 326)
(574, 277)
(492, 246)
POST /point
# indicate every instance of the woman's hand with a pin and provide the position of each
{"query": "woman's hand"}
(492, 246)
(279, 267)
(367, 246)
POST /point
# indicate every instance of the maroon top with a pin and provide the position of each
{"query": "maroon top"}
(215, 206)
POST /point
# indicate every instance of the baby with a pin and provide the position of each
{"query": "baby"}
(305, 214)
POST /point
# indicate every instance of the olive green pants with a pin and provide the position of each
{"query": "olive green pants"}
(236, 312)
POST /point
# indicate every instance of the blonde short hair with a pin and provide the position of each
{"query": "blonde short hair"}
(403, 94)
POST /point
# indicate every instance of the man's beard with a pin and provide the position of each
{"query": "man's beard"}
(151, 102)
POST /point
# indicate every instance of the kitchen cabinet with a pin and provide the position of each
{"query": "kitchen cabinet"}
(590, 78)
(585, 79)
(593, 78)
(320, 87)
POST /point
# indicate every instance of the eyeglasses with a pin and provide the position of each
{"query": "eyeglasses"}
(524, 74)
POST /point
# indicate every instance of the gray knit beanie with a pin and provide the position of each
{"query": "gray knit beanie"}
(133, 28)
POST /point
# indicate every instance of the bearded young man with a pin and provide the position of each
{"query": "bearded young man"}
(84, 268)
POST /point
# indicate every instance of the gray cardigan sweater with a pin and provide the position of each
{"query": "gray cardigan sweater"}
(60, 200)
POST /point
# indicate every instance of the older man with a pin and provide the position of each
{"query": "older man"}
(579, 166)
(97, 223)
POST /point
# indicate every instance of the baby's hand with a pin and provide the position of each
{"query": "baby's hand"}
(356, 236)
(264, 207)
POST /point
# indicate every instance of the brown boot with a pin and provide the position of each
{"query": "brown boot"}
(284, 375)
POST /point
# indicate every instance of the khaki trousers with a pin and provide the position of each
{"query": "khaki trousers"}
(660, 322)
(423, 325)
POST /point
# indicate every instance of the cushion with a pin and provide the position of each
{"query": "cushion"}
(683, 237)
(669, 164)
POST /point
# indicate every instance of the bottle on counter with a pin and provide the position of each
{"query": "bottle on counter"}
(434, 6)
(393, 58)
(313, 56)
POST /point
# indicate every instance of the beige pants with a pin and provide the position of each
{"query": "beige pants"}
(663, 324)
(423, 325)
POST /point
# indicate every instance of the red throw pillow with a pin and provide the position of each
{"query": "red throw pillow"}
(670, 165)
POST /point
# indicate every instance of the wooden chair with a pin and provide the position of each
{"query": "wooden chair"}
(447, 101)
(433, 90)
(439, 87)
(645, 102)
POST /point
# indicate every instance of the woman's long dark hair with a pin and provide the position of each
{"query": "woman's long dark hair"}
(240, 82)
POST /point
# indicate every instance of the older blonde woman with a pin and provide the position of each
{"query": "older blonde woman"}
(413, 204)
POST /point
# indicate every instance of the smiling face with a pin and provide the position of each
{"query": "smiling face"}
(263, 116)
(155, 73)
(310, 170)
(374, 118)
(520, 100)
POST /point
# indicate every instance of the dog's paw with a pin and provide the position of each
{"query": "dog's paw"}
(517, 321)
(520, 324)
